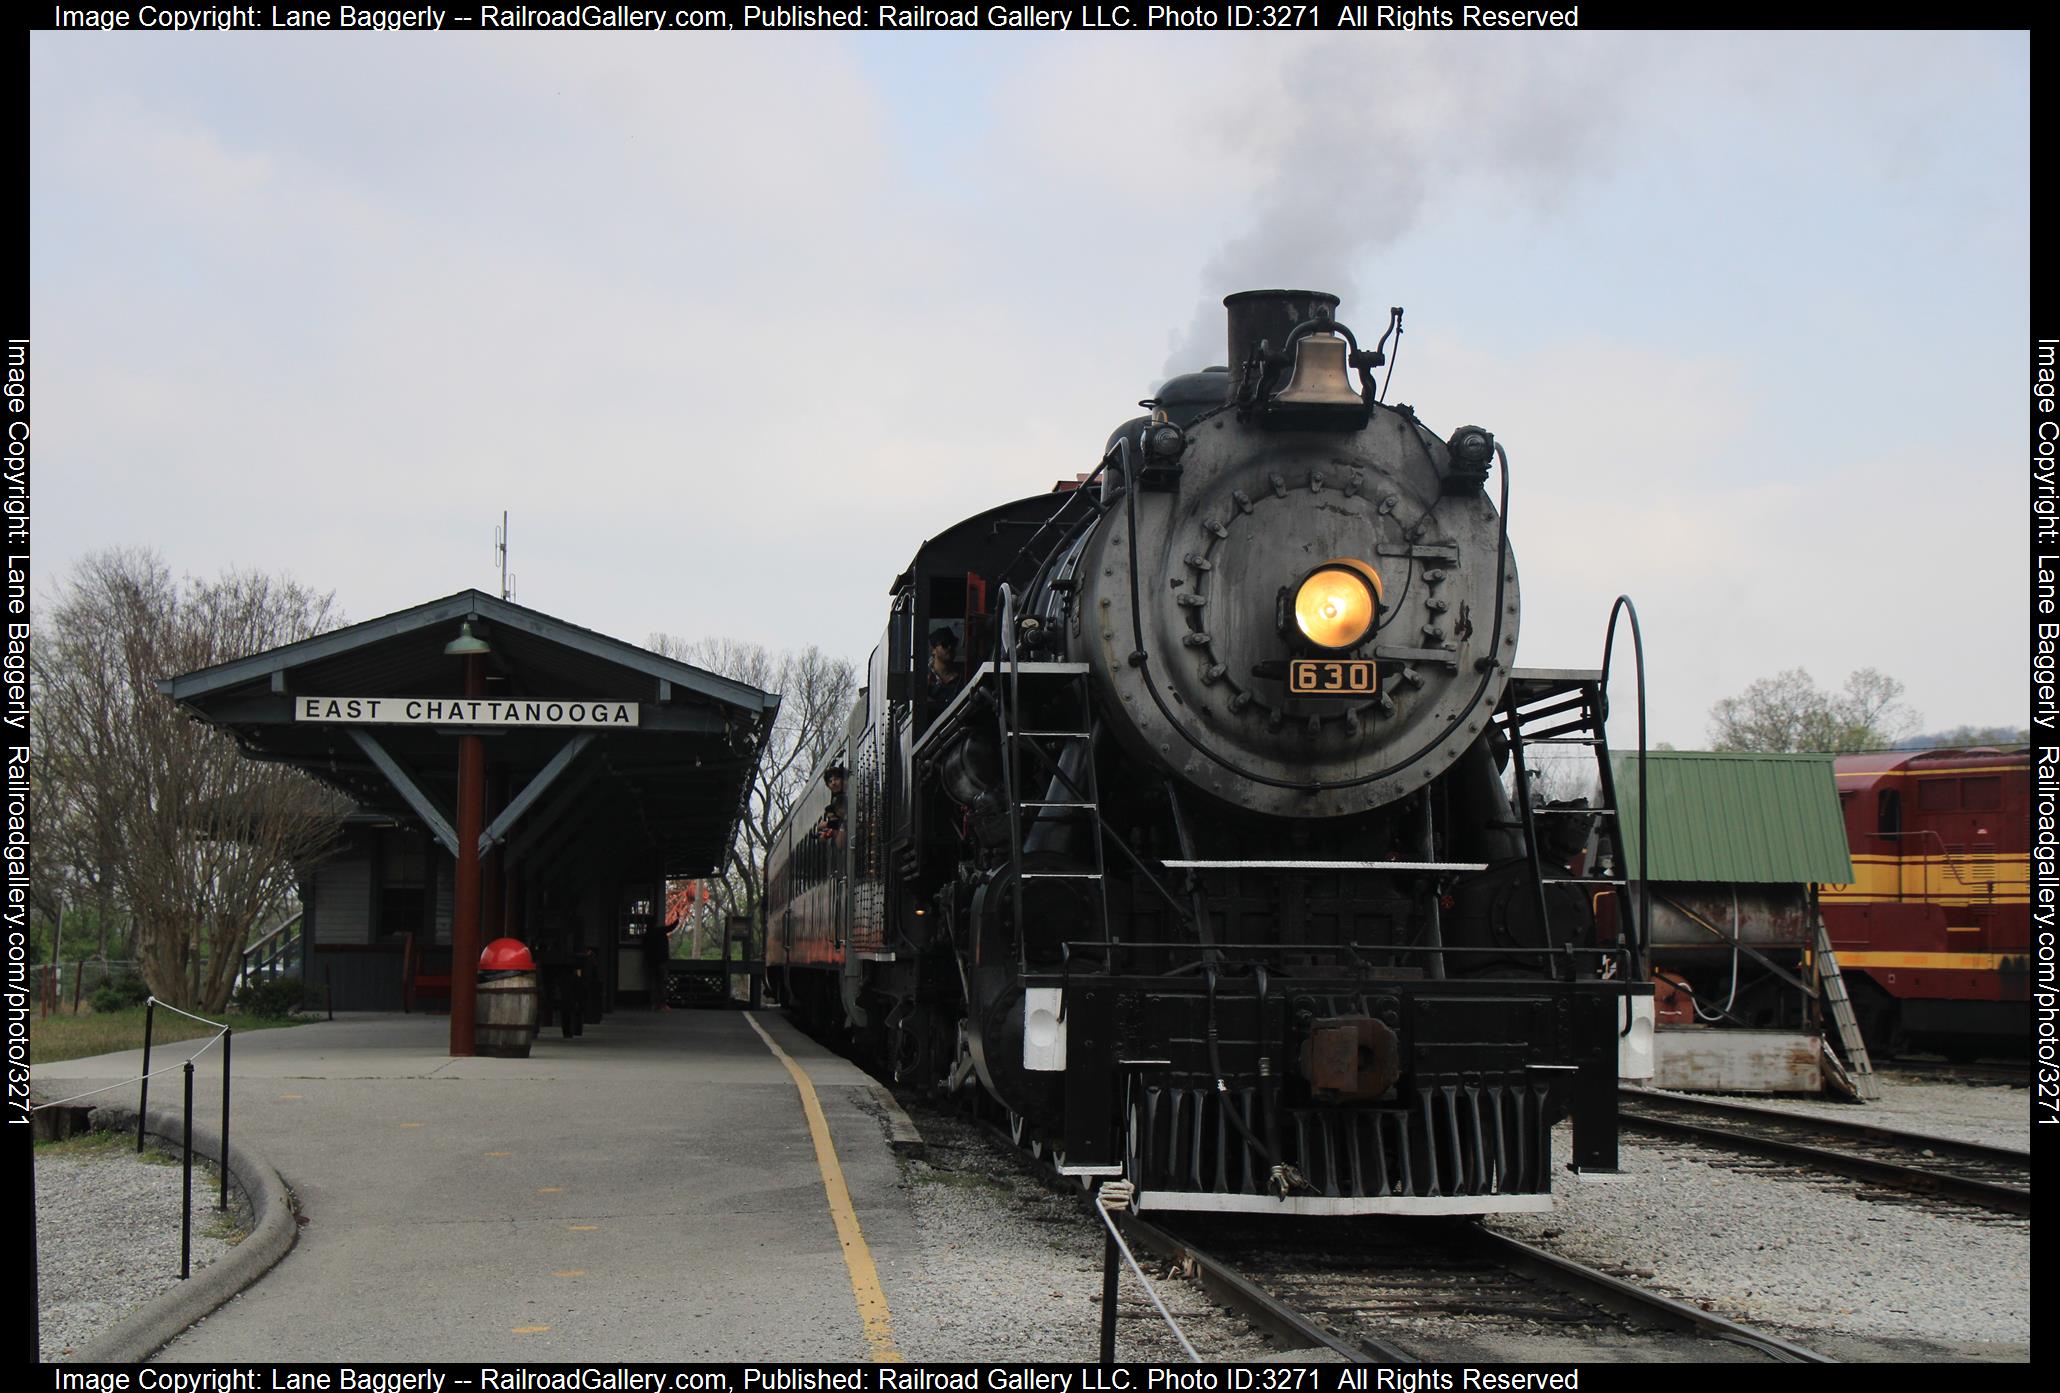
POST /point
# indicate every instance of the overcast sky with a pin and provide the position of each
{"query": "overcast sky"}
(729, 324)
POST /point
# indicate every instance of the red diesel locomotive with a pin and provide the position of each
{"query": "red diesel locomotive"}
(1933, 936)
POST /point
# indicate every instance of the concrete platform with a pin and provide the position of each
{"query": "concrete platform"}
(649, 1191)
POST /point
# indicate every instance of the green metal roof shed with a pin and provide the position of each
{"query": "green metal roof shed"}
(1736, 818)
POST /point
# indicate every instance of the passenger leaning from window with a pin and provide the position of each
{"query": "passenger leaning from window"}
(831, 826)
(945, 676)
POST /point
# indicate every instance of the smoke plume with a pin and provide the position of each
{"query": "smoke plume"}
(1363, 144)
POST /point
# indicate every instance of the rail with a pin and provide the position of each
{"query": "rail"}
(1276, 1297)
(1784, 1136)
(1258, 1305)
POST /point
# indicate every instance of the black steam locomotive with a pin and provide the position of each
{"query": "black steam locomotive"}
(1176, 812)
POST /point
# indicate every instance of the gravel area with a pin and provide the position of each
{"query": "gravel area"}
(1994, 1114)
(1858, 1277)
(1010, 1268)
(107, 1233)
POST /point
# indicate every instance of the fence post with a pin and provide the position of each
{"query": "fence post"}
(227, 1036)
(143, 1100)
(186, 1203)
(1112, 1267)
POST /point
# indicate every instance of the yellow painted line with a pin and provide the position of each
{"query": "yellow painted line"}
(289, 1097)
(411, 1124)
(1888, 898)
(1932, 773)
(1983, 962)
(551, 1190)
(529, 1330)
(583, 1228)
(571, 1272)
(858, 1259)
(500, 1153)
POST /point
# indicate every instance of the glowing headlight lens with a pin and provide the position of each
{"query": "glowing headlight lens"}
(1334, 607)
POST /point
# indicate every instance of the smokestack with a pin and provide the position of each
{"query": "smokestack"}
(1270, 315)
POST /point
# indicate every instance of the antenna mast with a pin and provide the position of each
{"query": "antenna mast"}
(501, 557)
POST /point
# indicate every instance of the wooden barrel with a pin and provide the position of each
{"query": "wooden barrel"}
(506, 1014)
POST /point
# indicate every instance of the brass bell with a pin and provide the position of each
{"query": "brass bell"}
(1319, 378)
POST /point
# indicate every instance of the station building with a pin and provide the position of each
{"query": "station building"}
(510, 775)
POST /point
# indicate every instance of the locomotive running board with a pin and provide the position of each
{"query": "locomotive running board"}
(1199, 1201)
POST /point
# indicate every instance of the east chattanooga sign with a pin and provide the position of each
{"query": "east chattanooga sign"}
(461, 711)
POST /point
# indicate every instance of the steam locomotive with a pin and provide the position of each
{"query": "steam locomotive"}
(1184, 814)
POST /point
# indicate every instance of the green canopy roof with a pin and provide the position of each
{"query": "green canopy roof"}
(1736, 818)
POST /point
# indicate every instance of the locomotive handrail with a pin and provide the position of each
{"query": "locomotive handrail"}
(1642, 940)
(1945, 854)
(1095, 510)
(1325, 865)
(1355, 949)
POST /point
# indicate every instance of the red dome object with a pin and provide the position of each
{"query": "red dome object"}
(506, 955)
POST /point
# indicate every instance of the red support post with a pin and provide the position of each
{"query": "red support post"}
(493, 900)
(465, 889)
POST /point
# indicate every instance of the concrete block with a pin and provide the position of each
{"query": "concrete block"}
(1697, 1059)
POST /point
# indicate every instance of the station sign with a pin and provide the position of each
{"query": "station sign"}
(461, 711)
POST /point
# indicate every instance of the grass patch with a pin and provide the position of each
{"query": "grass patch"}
(63, 1035)
(226, 1227)
(957, 1180)
(99, 1142)
(102, 1141)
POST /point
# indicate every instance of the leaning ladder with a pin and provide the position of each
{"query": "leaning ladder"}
(1842, 1016)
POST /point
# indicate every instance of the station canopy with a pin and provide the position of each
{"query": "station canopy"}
(604, 756)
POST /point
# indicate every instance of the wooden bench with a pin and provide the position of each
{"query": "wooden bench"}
(420, 975)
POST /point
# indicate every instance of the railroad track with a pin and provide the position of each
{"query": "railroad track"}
(1403, 1292)
(1408, 1291)
(2016, 1074)
(1991, 1177)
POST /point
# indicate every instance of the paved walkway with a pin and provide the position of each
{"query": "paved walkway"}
(649, 1191)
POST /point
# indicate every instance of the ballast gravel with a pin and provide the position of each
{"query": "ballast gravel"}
(1994, 1115)
(1010, 1269)
(1850, 1270)
(107, 1237)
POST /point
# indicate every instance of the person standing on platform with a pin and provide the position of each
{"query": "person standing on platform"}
(657, 955)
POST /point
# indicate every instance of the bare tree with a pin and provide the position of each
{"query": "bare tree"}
(79, 701)
(197, 842)
(816, 692)
(1788, 712)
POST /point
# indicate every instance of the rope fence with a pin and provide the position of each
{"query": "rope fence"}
(1117, 1195)
(225, 1037)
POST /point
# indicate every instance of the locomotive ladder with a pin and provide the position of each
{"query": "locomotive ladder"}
(1555, 706)
(1062, 721)
(1842, 1016)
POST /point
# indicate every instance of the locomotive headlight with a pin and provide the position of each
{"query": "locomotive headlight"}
(1336, 603)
